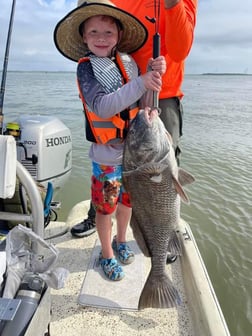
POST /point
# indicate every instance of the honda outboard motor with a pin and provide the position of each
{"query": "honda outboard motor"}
(45, 149)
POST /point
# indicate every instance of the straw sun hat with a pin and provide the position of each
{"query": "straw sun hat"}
(68, 39)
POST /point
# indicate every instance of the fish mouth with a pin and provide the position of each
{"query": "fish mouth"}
(150, 115)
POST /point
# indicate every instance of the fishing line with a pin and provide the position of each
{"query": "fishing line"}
(156, 41)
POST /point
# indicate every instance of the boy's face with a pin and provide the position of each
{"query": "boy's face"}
(100, 34)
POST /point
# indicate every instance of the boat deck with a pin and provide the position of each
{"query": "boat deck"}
(70, 318)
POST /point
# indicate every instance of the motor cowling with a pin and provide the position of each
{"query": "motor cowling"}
(45, 149)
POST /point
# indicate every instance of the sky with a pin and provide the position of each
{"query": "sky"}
(222, 42)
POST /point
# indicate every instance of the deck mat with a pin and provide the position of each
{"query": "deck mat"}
(98, 291)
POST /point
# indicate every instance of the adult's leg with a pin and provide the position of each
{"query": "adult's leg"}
(172, 117)
(87, 226)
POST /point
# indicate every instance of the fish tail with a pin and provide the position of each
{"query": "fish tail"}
(159, 293)
(174, 245)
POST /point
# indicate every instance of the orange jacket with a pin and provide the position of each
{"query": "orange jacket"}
(111, 130)
(176, 31)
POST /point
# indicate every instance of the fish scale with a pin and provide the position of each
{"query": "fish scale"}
(152, 178)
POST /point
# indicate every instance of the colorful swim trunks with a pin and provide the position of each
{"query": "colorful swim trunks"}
(107, 188)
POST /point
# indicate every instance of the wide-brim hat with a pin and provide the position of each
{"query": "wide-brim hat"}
(68, 39)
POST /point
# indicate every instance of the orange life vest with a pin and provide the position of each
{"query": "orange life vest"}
(111, 130)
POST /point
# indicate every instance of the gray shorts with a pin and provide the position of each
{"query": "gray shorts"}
(172, 117)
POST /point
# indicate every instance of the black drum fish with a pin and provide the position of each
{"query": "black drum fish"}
(154, 181)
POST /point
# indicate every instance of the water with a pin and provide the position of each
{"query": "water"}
(217, 150)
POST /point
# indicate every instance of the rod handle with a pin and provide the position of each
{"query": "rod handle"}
(156, 53)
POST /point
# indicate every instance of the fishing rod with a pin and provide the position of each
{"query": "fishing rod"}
(5, 64)
(156, 40)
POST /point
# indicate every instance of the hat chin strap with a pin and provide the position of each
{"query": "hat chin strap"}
(113, 51)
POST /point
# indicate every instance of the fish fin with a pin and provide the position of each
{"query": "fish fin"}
(180, 190)
(184, 177)
(128, 173)
(152, 168)
(157, 178)
(139, 236)
(154, 171)
(175, 245)
(169, 137)
(159, 293)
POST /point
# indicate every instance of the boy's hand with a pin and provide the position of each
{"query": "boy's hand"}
(152, 80)
(158, 64)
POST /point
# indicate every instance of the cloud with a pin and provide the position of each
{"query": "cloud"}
(32, 46)
(222, 40)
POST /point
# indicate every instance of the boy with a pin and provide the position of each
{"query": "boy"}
(110, 89)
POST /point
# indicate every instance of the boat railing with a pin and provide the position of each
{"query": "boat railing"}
(36, 216)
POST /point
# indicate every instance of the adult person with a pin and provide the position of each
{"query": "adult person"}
(112, 91)
(175, 22)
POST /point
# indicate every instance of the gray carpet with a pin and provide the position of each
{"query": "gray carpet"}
(98, 291)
